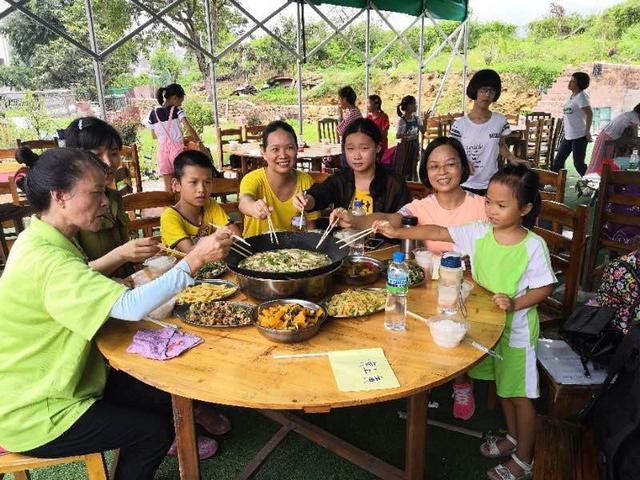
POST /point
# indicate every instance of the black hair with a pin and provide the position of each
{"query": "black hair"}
(57, 169)
(90, 133)
(193, 158)
(438, 142)
(348, 94)
(484, 78)
(525, 185)
(26, 157)
(375, 99)
(363, 125)
(278, 125)
(164, 93)
(582, 79)
(637, 109)
(404, 103)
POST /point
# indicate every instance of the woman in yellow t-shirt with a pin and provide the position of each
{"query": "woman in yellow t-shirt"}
(270, 190)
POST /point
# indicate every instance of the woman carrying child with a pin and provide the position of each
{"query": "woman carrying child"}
(166, 121)
(59, 397)
(108, 249)
(364, 179)
(269, 191)
(513, 263)
(408, 150)
(483, 132)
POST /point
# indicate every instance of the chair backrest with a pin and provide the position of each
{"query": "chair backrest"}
(558, 135)
(20, 464)
(328, 128)
(567, 253)
(122, 180)
(144, 210)
(557, 180)
(512, 118)
(37, 144)
(8, 154)
(319, 177)
(253, 133)
(418, 190)
(224, 187)
(545, 142)
(224, 136)
(537, 115)
(10, 188)
(130, 159)
(616, 224)
(532, 136)
(14, 214)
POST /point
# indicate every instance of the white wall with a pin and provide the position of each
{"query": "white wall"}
(4, 51)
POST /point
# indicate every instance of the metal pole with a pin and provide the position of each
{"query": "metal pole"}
(367, 48)
(454, 52)
(212, 63)
(299, 61)
(464, 66)
(420, 64)
(96, 63)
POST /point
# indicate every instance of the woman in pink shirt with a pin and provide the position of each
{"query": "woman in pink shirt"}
(443, 168)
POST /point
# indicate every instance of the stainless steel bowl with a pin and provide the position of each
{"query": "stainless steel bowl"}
(290, 336)
(265, 289)
(379, 267)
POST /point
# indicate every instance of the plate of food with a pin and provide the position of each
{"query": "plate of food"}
(416, 273)
(356, 302)
(216, 314)
(207, 291)
(211, 270)
(286, 260)
(289, 320)
(360, 270)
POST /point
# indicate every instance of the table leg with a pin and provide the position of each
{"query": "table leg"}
(186, 437)
(416, 436)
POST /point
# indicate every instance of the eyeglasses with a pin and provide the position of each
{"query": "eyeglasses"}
(487, 91)
(435, 167)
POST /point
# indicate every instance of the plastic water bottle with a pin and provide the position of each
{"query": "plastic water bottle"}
(395, 310)
(634, 160)
(357, 247)
(449, 283)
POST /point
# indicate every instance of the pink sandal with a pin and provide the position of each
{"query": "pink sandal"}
(212, 420)
(207, 448)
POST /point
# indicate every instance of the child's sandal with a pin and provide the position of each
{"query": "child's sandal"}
(490, 448)
(500, 472)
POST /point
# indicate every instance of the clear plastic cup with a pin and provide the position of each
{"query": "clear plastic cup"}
(424, 258)
(159, 264)
(448, 330)
(164, 310)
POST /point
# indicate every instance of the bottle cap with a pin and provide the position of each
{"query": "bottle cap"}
(409, 221)
(398, 257)
(357, 204)
(451, 260)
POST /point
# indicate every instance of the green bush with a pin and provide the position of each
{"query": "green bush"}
(199, 111)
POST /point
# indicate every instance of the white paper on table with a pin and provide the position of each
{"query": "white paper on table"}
(564, 366)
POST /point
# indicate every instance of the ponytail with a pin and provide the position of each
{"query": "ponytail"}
(160, 95)
(25, 156)
(404, 103)
(164, 93)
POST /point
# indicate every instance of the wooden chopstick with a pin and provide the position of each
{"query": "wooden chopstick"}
(172, 251)
(272, 230)
(239, 252)
(237, 237)
(325, 234)
(162, 324)
(355, 238)
(356, 235)
(242, 249)
(417, 317)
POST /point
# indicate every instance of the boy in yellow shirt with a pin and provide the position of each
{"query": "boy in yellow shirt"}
(189, 219)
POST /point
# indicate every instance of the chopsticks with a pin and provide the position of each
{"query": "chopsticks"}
(272, 231)
(470, 341)
(237, 237)
(162, 324)
(172, 251)
(300, 355)
(236, 247)
(325, 234)
(304, 194)
(355, 237)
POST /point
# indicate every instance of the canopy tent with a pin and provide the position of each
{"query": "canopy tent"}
(432, 10)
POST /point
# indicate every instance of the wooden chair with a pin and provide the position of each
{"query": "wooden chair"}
(567, 254)
(328, 128)
(223, 137)
(431, 129)
(557, 180)
(37, 144)
(122, 180)
(545, 142)
(319, 177)
(417, 190)
(532, 137)
(253, 133)
(20, 465)
(224, 187)
(130, 160)
(14, 215)
(144, 210)
(513, 118)
(8, 154)
(564, 451)
(557, 137)
(537, 115)
(611, 194)
(10, 188)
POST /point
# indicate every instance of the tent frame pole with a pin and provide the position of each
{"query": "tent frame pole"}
(212, 63)
(299, 8)
(97, 67)
(420, 64)
(464, 66)
(447, 70)
(367, 50)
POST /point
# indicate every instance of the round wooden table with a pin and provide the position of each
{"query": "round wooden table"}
(250, 153)
(234, 366)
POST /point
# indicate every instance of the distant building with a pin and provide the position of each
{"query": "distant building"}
(613, 89)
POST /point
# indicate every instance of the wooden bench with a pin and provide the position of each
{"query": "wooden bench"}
(20, 465)
(564, 451)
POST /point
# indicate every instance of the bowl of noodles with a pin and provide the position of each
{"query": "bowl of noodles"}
(289, 320)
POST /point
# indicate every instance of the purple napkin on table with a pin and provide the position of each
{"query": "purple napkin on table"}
(162, 344)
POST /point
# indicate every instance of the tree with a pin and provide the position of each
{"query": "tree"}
(166, 65)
